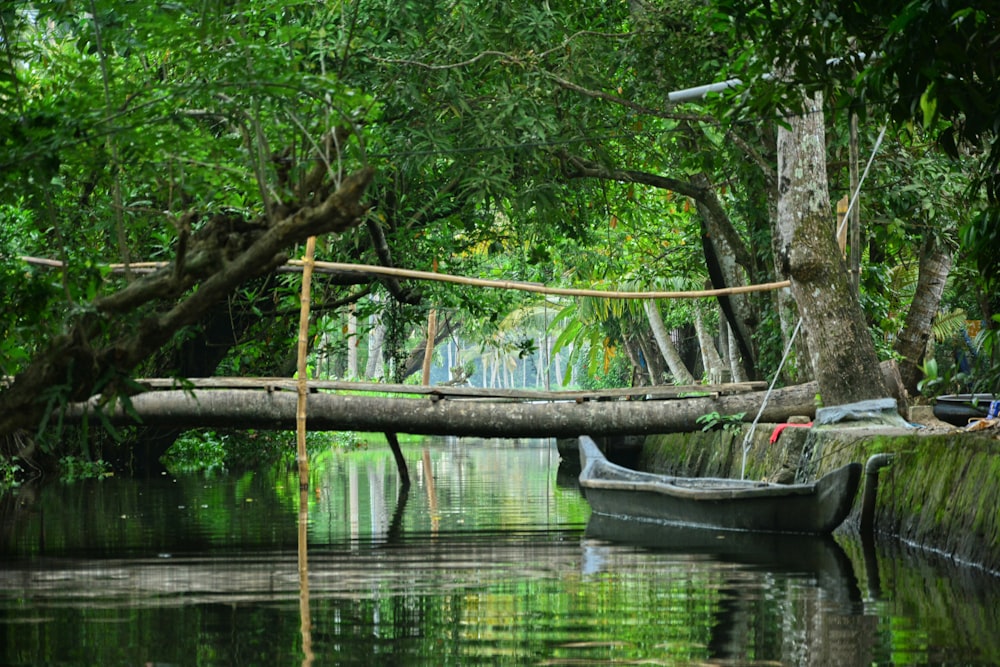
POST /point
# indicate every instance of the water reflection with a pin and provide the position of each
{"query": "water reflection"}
(484, 559)
(827, 600)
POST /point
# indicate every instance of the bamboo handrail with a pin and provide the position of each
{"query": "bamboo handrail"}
(537, 288)
(542, 289)
(271, 384)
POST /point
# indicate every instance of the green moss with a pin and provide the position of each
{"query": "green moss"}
(939, 492)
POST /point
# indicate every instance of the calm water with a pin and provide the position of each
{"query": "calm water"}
(491, 558)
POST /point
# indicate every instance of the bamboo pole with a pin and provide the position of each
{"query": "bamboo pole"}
(301, 454)
(429, 348)
(537, 288)
(305, 616)
(432, 506)
(303, 383)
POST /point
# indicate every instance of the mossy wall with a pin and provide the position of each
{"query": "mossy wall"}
(720, 453)
(942, 492)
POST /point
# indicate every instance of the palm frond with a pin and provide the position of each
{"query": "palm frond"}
(948, 325)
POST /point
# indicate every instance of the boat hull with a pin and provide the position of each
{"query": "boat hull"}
(725, 504)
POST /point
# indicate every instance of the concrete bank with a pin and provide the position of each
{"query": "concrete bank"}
(942, 491)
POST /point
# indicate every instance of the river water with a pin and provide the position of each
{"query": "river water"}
(490, 558)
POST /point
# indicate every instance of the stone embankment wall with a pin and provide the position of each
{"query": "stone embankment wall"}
(942, 491)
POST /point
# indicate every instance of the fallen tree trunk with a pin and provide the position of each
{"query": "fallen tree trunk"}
(275, 410)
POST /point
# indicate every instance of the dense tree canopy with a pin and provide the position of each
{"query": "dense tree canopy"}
(486, 139)
(933, 62)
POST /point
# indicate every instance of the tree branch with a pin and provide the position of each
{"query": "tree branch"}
(577, 167)
(217, 263)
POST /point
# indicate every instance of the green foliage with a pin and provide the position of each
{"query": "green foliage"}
(714, 421)
(74, 469)
(10, 473)
(615, 373)
(949, 325)
(197, 451)
(120, 123)
(951, 370)
(26, 293)
(212, 452)
(986, 367)
(950, 89)
(948, 378)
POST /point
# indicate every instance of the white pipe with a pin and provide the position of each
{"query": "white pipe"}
(699, 92)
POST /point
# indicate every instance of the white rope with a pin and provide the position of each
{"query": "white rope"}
(864, 175)
(763, 403)
(795, 332)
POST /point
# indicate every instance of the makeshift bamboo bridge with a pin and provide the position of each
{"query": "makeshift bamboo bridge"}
(270, 404)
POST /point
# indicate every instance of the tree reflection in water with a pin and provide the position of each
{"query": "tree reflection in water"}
(204, 571)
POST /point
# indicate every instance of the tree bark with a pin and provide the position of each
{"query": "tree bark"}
(655, 370)
(854, 219)
(449, 412)
(241, 408)
(222, 255)
(935, 264)
(729, 265)
(670, 355)
(415, 360)
(352, 343)
(841, 350)
(710, 357)
(796, 369)
(376, 335)
(425, 373)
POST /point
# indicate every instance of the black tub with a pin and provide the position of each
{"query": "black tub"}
(958, 409)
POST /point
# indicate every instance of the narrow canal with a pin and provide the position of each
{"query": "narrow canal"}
(490, 558)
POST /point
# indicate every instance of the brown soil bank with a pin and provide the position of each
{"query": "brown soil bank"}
(942, 491)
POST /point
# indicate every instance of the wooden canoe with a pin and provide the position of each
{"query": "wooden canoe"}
(725, 504)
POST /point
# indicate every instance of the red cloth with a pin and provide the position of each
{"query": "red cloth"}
(781, 427)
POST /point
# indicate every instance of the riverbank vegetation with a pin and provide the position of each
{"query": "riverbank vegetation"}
(162, 162)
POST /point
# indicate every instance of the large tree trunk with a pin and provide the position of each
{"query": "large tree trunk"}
(415, 360)
(840, 347)
(444, 412)
(670, 355)
(352, 343)
(731, 353)
(654, 360)
(796, 369)
(935, 264)
(729, 265)
(376, 336)
(715, 368)
(633, 351)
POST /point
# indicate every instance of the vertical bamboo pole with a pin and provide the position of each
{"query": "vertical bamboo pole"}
(431, 493)
(301, 455)
(431, 335)
(305, 617)
(300, 410)
(429, 348)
